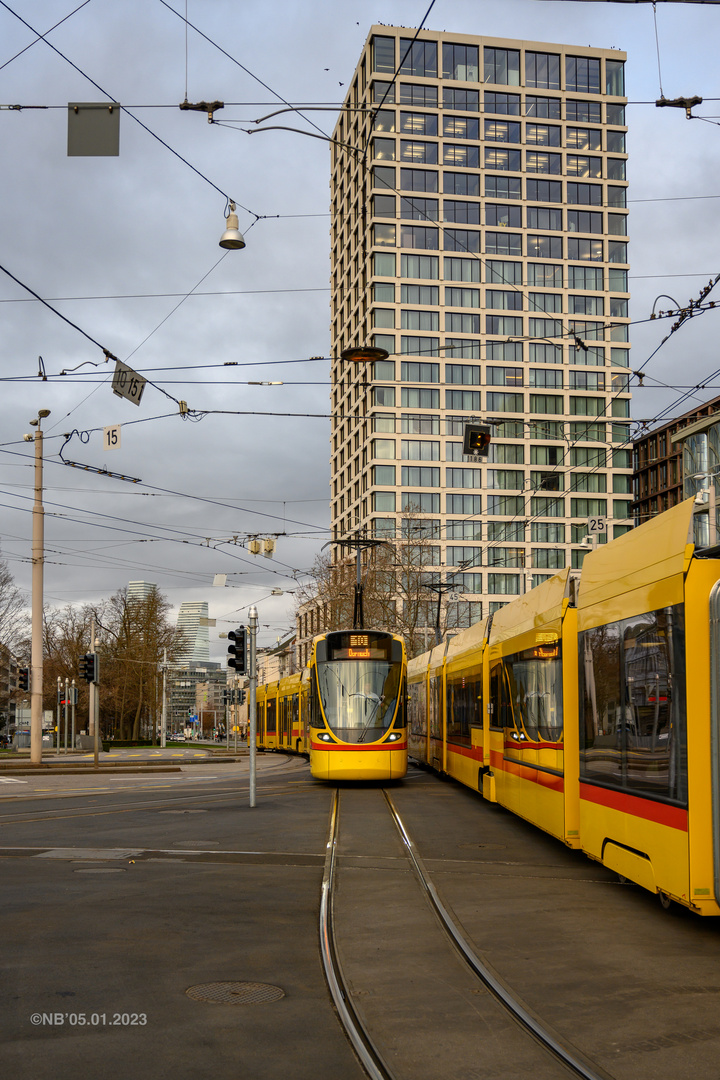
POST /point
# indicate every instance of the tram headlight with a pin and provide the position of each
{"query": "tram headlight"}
(393, 736)
(324, 736)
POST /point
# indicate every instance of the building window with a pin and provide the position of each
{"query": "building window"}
(503, 243)
(542, 134)
(463, 374)
(552, 404)
(502, 187)
(416, 372)
(384, 149)
(582, 74)
(546, 378)
(497, 402)
(545, 328)
(545, 108)
(462, 349)
(545, 302)
(540, 161)
(544, 275)
(383, 475)
(584, 194)
(466, 298)
(416, 398)
(504, 584)
(499, 214)
(504, 376)
(587, 406)
(542, 70)
(617, 251)
(384, 396)
(419, 450)
(589, 250)
(421, 153)
(544, 247)
(418, 180)
(461, 240)
(416, 209)
(464, 213)
(383, 502)
(420, 502)
(459, 156)
(418, 123)
(585, 277)
(463, 478)
(419, 266)
(582, 165)
(583, 112)
(502, 299)
(461, 269)
(383, 448)
(504, 325)
(465, 100)
(420, 476)
(418, 58)
(460, 127)
(501, 66)
(463, 400)
(419, 320)
(502, 160)
(463, 504)
(544, 190)
(504, 273)
(545, 353)
(461, 184)
(460, 62)
(457, 323)
(421, 95)
(589, 481)
(548, 558)
(503, 479)
(383, 54)
(615, 78)
(615, 142)
(586, 305)
(502, 104)
(585, 221)
(503, 131)
(427, 295)
(418, 236)
(384, 235)
(546, 532)
(384, 206)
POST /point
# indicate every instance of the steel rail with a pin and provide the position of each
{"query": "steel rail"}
(370, 1058)
(560, 1048)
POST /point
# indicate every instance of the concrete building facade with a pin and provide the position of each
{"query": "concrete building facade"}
(479, 236)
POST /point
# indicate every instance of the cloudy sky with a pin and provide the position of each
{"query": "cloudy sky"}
(126, 248)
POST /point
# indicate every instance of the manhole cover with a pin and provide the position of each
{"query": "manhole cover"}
(196, 843)
(236, 993)
(182, 811)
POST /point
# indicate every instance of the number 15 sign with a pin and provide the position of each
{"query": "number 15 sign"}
(127, 383)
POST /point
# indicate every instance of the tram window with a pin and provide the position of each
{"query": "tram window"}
(502, 710)
(535, 687)
(270, 713)
(464, 707)
(434, 708)
(417, 718)
(633, 724)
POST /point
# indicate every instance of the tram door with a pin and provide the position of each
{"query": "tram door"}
(284, 716)
(271, 718)
(294, 719)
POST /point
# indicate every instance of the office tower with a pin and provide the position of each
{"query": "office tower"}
(192, 622)
(140, 590)
(479, 236)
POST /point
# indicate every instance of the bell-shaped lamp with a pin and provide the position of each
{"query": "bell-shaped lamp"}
(232, 238)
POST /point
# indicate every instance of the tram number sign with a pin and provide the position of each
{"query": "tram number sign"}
(127, 383)
(597, 525)
(111, 437)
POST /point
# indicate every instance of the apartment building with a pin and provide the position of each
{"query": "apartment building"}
(479, 237)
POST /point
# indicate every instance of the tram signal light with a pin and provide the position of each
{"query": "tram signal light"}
(90, 667)
(237, 653)
(476, 440)
(24, 678)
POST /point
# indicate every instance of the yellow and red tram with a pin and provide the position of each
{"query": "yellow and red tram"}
(346, 710)
(590, 706)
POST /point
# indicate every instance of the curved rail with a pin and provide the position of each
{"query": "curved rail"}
(562, 1050)
(363, 1045)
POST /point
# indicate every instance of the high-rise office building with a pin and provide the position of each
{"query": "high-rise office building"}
(192, 623)
(479, 237)
(140, 590)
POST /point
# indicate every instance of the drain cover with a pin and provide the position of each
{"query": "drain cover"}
(236, 993)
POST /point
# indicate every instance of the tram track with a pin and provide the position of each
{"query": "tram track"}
(367, 1046)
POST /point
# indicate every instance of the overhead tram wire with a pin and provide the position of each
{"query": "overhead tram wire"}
(41, 37)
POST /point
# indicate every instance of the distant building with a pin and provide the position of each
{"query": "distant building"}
(182, 690)
(193, 624)
(658, 464)
(140, 590)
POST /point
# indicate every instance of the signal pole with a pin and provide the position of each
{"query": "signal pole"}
(252, 713)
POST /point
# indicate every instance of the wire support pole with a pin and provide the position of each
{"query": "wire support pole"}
(252, 700)
(38, 561)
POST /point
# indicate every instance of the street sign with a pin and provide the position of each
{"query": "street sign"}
(111, 437)
(597, 525)
(127, 383)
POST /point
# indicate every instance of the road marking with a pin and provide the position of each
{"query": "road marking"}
(11, 780)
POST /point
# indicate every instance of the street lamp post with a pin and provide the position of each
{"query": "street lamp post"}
(38, 559)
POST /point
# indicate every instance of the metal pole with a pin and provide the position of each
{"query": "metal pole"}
(57, 713)
(163, 717)
(65, 712)
(73, 702)
(252, 673)
(38, 560)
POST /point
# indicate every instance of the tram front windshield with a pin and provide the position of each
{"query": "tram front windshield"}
(359, 697)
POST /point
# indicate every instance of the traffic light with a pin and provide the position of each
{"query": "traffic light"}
(24, 678)
(90, 667)
(237, 653)
(476, 440)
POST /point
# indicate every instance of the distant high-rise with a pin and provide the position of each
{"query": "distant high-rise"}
(192, 623)
(140, 590)
(479, 237)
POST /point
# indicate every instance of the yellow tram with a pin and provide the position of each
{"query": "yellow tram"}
(346, 710)
(591, 707)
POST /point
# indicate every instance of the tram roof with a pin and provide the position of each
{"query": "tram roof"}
(641, 570)
(532, 611)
